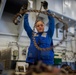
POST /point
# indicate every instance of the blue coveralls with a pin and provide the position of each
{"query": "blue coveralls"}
(43, 40)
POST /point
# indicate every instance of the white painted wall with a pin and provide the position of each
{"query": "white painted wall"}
(69, 8)
(7, 26)
(63, 7)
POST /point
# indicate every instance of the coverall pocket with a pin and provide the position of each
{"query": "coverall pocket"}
(32, 52)
(47, 55)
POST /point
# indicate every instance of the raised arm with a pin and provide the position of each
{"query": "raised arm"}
(27, 26)
(51, 25)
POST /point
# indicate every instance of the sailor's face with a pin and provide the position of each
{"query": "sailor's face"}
(40, 26)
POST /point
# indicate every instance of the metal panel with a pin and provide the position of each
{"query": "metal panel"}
(2, 5)
(13, 6)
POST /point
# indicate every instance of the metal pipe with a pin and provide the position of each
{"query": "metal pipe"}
(8, 34)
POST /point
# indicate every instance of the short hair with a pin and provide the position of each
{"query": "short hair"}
(38, 21)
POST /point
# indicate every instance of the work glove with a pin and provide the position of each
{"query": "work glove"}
(45, 5)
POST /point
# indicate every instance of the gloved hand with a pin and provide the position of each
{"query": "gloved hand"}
(17, 18)
(45, 5)
(24, 7)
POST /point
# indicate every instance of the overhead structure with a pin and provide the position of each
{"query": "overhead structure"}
(2, 5)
